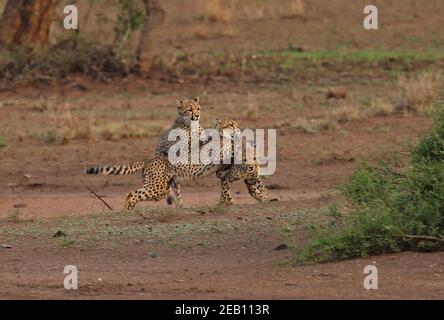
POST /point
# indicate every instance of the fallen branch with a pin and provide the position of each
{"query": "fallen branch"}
(408, 236)
(98, 197)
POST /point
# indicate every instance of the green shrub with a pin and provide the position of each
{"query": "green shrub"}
(431, 148)
(390, 211)
(2, 141)
(97, 62)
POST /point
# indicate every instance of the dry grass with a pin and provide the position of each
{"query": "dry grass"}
(346, 113)
(295, 9)
(336, 93)
(109, 132)
(43, 103)
(201, 31)
(252, 109)
(217, 11)
(381, 107)
(119, 131)
(66, 127)
(209, 31)
(338, 116)
(353, 112)
(420, 92)
(255, 11)
(228, 10)
(14, 217)
(308, 125)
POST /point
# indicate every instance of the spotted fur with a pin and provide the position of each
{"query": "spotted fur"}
(122, 170)
(248, 172)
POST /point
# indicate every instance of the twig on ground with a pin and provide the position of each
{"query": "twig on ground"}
(100, 198)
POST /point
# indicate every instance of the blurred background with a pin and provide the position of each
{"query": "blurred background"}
(104, 93)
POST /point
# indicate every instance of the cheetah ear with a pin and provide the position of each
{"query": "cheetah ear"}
(179, 103)
(216, 121)
(197, 99)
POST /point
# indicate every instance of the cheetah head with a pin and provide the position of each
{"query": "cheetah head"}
(227, 126)
(189, 109)
(251, 165)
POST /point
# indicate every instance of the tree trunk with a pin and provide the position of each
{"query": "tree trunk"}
(153, 23)
(26, 23)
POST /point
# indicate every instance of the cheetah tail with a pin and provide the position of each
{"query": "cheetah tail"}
(123, 169)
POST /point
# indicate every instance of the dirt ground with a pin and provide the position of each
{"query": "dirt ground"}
(240, 270)
(226, 253)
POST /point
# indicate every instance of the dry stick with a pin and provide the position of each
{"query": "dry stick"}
(98, 197)
(408, 236)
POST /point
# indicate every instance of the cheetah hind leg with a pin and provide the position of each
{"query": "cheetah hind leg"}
(128, 205)
(171, 199)
(257, 189)
(142, 194)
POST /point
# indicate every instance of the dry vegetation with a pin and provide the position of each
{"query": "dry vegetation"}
(226, 11)
(218, 11)
(65, 126)
(337, 93)
(418, 93)
(218, 16)
(252, 109)
(296, 9)
(205, 31)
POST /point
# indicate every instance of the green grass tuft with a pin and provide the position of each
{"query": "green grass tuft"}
(2, 140)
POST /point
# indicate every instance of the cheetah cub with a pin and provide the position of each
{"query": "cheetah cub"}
(188, 110)
(248, 171)
(159, 174)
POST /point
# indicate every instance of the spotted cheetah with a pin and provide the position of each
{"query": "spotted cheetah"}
(159, 173)
(188, 110)
(248, 172)
(157, 178)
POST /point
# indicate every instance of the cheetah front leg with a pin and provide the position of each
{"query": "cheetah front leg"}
(178, 202)
(225, 194)
(175, 195)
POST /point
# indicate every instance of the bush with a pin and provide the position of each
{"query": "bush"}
(93, 61)
(390, 210)
(76, 55)
(431, 149)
